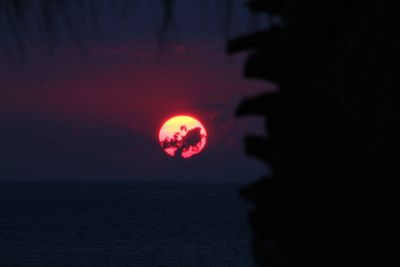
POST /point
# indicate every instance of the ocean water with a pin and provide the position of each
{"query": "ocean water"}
(123, 225)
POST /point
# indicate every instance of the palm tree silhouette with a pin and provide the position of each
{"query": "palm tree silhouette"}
(332, 133)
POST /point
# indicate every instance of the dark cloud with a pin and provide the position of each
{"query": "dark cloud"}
(220, 119)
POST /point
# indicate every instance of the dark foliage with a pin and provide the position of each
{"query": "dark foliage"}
(192, 139)
(333, 132)
(47, 18)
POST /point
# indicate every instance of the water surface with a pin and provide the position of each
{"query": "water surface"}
(122, 225)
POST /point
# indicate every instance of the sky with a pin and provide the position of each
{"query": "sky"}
(88, 104)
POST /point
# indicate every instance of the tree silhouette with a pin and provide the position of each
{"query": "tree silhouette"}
(189, 140)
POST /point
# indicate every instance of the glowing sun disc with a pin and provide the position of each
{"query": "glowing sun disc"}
(182, 136)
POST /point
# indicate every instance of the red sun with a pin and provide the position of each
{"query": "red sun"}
(182, 136)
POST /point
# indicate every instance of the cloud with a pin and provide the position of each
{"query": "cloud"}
(220, 120)
(179, 48)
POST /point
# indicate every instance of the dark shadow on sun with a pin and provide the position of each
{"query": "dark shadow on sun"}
(192, 140)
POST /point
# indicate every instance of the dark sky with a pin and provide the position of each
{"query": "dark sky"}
(90, 110)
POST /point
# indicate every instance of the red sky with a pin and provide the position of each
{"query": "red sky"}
(97, 112)
(134, 87)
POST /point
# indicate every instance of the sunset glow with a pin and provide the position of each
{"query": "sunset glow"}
(182, 136)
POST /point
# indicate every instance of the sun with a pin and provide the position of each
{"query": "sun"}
(182, 136)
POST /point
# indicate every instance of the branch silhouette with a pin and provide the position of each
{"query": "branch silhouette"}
(192, 139)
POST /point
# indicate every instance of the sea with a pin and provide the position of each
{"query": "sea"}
(160, 225)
